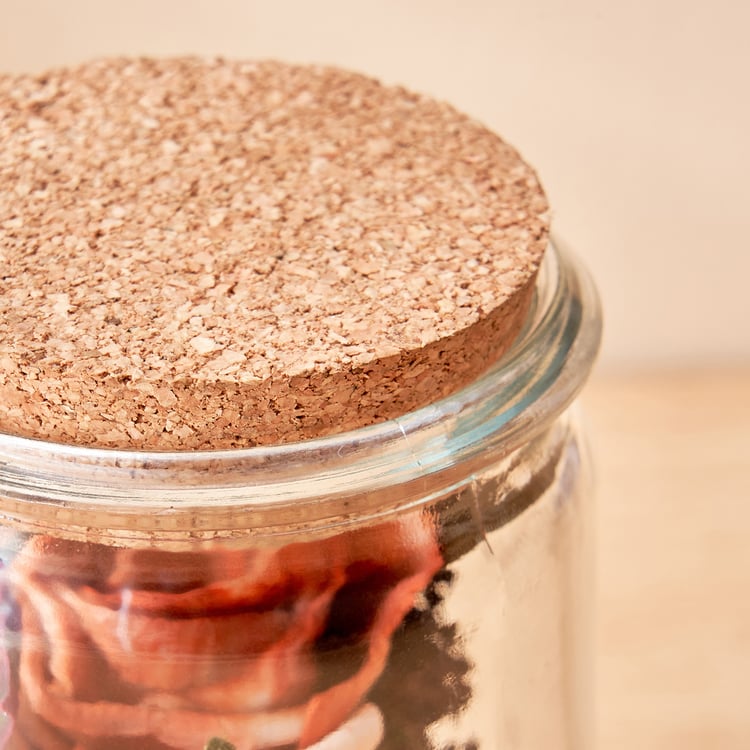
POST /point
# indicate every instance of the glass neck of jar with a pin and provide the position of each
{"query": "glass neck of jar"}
(397, 464)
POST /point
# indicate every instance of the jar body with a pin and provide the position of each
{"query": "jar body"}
(459, 624)
(422, 584)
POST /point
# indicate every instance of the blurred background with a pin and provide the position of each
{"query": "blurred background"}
(636, 116)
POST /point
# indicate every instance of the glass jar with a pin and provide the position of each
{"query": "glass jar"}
(421, 583)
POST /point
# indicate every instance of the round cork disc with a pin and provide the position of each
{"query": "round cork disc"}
(211, 254)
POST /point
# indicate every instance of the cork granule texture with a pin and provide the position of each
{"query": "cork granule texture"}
(206, 254)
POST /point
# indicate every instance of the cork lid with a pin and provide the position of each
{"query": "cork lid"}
(208, 254)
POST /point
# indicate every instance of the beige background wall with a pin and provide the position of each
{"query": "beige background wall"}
(636, 115)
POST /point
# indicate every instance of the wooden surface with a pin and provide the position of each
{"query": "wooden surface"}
(673, 463)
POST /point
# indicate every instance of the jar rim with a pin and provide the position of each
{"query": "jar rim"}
(513, 400)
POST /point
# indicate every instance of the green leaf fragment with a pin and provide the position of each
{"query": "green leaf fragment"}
(216, 743)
